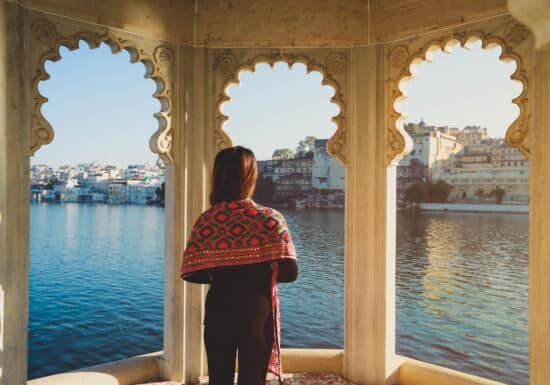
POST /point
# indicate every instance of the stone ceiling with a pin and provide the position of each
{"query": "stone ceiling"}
(274, 23)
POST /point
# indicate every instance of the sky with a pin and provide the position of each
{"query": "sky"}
(101, 107)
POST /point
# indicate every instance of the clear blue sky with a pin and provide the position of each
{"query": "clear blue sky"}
(101, 107)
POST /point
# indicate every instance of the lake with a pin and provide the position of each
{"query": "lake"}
(96, 287)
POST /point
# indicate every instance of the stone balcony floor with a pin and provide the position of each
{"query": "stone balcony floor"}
(289, 379)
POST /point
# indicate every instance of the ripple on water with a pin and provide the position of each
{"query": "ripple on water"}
(96, 287)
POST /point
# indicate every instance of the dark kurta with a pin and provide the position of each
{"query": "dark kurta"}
(239, 316)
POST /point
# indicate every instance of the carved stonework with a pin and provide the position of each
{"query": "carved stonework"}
(44, 32)
(163, 56)
(336, 145)
(517, 34)
(397, 140)
(398, 56)
(226, 64)
(336, 63)
(157, 61)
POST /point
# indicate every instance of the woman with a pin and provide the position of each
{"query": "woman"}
(242, 249)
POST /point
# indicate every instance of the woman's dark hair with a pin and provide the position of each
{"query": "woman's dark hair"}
(234, 175)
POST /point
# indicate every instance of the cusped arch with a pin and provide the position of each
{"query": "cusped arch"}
(157, 64)
(398, 141)
(227, 65)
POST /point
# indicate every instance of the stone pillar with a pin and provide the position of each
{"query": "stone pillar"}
(535, 14)
(369, 340)
(188, 179)
(14, 199)
(539, 223)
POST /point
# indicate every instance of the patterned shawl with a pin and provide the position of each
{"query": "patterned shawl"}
(240, 233)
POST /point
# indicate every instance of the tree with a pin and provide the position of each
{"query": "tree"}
(51, 182)
(480, 193)
(282, 153)
(439, 191)
(498, 194)
(416, 193)
(159, 191)
(306, 147)
(428, 192)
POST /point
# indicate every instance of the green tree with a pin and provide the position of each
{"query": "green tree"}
(416, 193)
(160, 193)
(439, 191)
(283, 153)
(306, 147)
(51, 182)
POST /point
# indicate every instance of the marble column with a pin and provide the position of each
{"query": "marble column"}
(369, 339)
(539, 223)
(535, 14)
(14, 199)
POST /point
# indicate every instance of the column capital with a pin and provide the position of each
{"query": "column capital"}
(535, 14)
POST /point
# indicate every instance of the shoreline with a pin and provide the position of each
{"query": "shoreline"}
(476, 208)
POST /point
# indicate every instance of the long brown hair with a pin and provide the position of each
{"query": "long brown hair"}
(234, 175)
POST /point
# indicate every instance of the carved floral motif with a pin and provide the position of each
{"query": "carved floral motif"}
(398, 56)
(163, 56)
(226, 64)
(44, 31)
(336, 63)
(517, 34)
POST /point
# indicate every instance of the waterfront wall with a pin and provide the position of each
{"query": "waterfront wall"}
(473, 207)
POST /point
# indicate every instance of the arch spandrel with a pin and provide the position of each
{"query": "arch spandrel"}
(517, 44)
(46, 34)
(332, 64)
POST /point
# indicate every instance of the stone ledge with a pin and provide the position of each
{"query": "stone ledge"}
(288, 379)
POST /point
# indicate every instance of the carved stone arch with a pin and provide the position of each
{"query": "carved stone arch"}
(335, 67)
(47, 35)
(515, 41)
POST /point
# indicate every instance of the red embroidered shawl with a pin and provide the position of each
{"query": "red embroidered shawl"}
(240, 233)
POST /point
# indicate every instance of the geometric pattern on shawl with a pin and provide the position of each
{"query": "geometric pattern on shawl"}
(236, 233)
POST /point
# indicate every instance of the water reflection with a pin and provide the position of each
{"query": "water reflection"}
(462, 292)
(312, 308)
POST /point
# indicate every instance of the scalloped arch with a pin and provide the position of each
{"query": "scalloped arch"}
(155, 63)
(516, 133)
(336, 145)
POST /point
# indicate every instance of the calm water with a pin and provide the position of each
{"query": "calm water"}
(97, 287)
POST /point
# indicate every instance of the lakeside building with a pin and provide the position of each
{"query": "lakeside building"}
(314, 180)
(92, 182)
(474, 164)
(432, 146)
(474, 175)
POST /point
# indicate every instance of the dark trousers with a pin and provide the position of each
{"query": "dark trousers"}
(238, 319)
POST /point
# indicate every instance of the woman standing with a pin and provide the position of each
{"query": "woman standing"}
(242, 249)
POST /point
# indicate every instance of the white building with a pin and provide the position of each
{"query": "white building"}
(142, 191)
(328, 173)
(117, 192)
